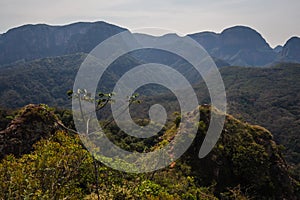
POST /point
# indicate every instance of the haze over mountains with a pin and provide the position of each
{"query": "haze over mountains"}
(38, 65)
(239, 45)
(30, 42)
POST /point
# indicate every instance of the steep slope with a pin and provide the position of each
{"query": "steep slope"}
(245, 162)
(209, 40)
(30, 42)
(245, 47)
(239, 45)
(47, 80)
(245, 155)
(278, 49)
(268, 97)
(59, 167)
(31, 125)
(291, 51)
(40, 81)
(265, 96)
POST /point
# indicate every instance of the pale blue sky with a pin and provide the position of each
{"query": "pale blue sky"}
(276, 20)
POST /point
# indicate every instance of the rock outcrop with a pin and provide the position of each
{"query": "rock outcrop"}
(33, 123)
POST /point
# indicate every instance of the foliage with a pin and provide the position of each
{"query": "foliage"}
(57, 169)
(60, 168)
(268, 97)
(246, 162)
(265, 96)
(6, 115)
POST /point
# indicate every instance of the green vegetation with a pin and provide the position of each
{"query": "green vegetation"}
(40, 81)
(60, 168)
(246, 163)
(42, 156)
(269, 97)
(263, 96)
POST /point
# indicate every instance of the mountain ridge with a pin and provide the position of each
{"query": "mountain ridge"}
(30, 42)
(238, 45)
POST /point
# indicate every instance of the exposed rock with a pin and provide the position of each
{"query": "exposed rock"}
(29, 126)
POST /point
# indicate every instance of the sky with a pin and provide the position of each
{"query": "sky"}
(275, 20)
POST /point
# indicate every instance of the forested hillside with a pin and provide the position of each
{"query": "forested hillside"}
(263, 96)
(42, 155)
(57, 165)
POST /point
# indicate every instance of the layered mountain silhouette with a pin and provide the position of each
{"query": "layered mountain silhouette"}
(38, 64)
(237, 45)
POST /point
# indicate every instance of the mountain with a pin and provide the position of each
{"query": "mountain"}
(41, 81)
(239, 46)
(291, 51)
(241, 150)
(47, 80)
(268, 97)
(252, 93)
(209, 40)
(278, 49)
(30, 42)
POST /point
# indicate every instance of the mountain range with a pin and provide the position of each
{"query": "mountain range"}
(238, 45)
(40, 62)
(30, 42)
(38, 65)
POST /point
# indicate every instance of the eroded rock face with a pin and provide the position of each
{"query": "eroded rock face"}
(29, 126)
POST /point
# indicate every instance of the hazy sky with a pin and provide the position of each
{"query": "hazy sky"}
(276, 20)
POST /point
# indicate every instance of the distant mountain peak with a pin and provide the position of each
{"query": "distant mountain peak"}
(294, 38)
(291, 50)
(33, 41)
(238, 45)
(278, 49)
(245, 33)
(204, 33)
(239, 28)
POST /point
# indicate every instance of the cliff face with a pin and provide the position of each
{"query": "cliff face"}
(33, 123)
(30, 42)
(239, 46)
